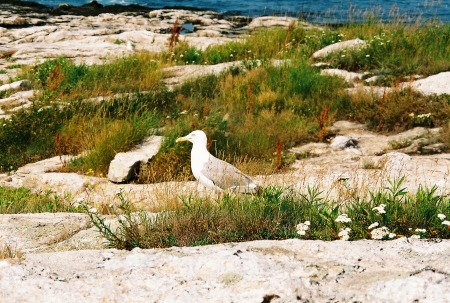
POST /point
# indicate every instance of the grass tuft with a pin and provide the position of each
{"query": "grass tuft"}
(279, 213)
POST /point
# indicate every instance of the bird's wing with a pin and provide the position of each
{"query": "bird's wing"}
(225, 175)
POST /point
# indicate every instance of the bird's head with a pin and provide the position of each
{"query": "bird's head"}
(196, 137)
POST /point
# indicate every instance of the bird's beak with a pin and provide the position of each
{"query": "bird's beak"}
(182, 139)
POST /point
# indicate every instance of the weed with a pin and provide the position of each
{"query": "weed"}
(22, 200)
(278, 213)
(398, 145)
(175, 32)
(8, 252)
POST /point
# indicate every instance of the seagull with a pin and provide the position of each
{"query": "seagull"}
(214, 173)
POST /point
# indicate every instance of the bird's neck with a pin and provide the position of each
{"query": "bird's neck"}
(199, 153)
(199, 149)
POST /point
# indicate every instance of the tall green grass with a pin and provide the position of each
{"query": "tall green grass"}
(396, 51)
(62, 79)
(22, 200)
(278, 213)
(246, 111)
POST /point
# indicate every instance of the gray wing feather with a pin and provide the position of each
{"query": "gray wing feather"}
(225, 175)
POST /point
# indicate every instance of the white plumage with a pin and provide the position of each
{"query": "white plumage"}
(213, 172)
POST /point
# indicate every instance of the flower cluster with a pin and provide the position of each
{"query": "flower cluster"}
(382, 232)
(344, 233)
(380, 208)
(373, 225)
(421, 120)
(444, 222)
(343, 218)
(303, 227)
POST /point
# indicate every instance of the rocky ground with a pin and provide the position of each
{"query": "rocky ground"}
(64, 259)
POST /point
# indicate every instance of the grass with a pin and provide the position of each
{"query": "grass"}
(22, 200)
(253, 113)
(8, 252)
(280, 213)
(246, 111)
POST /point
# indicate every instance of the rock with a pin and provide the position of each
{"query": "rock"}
(437, 84)
(31, 232)
(293, 270)
(7, 52)
(436, 148)
(378, 91)
(13, 86)
(271, 21)
(348, 76)
(394, 163)
(44, 166)
(339, 46)
(17, 101)
(342, 142)
(311, 149)
(125, 166)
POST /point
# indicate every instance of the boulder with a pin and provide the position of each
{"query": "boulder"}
(436, 84)
(342, 142)
(339, 46)
(125, 166)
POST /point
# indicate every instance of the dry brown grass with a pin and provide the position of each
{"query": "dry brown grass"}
(9, 252)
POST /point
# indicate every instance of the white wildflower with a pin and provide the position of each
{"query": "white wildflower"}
(343, 56)
(380, 233)
(420, 230)
(93, 210)
(184, 112)
(181, 56)
(415, 237)
(344, 234)
(441, 216)
(343, 218)
(373, 225)
(380, 208)
(392, 235)
(303, 227)
(446, 223)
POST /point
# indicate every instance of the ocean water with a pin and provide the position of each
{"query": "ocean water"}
(323, 11)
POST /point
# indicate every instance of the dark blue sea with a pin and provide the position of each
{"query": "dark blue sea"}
(321, 11)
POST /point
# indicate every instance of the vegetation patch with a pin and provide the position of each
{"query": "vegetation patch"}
(281, 213)
(22, 200)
